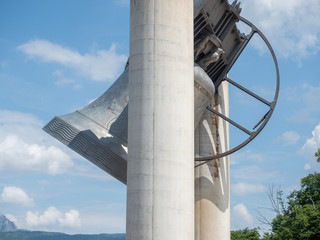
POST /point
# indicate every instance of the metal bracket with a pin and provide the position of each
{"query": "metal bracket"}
(262, 123)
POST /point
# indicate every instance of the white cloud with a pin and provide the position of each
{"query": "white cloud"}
(52, 217)
(313, 143)
(24, 146)
(71, 219)
(101, 65)
(19, 155)
(310, 147)
(292, 26)
(288, 138)
(16, 195)
(242, 216)
(242, 188)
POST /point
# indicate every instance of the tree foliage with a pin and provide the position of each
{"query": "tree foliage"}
(300, 219)
(245, 234)
(317, 155)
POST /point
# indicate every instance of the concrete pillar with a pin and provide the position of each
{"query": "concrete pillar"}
(160, 187)
(212, 185)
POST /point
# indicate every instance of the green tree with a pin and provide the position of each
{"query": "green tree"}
(245, 234)
(301, 218)
(317, 154)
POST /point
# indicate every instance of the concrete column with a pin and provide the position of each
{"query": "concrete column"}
(160, 187)
(212, 186)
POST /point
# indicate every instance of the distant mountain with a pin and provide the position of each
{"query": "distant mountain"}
(6, 225)
(9, 231)
(28, 235)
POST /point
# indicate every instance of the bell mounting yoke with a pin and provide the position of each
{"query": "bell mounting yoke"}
(262, 123)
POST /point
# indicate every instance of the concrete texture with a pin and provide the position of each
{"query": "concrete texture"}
(160, 177)
(212, 185)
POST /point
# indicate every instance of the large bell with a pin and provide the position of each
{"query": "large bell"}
(99, 131)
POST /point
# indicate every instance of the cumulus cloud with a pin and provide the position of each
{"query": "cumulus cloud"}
(313, 143)
(16, 195)
(25, 147)
(71, 219)
(100, 65)
(242, 216)
(310, 147)
(19, 155)
(52, 217)
(292, 26)
(242, 188)
(288, 138)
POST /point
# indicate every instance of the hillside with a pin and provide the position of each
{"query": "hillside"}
(9, 231)
(6, 225)
(26, 235)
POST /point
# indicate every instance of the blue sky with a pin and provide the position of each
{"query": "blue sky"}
(57, 56)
